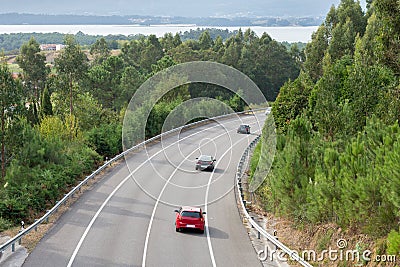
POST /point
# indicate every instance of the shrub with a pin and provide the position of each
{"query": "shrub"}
(106, 139)
(393, 243)
(5, 224)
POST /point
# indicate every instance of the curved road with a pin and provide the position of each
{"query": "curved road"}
(127, 219)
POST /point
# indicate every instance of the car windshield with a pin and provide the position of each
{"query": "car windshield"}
(192, 214)
(205, 158)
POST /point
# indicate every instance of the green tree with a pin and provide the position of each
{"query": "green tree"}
(89, 113)
(292, 101)
(46, 107)
(249, 62)
(237, 103)
(131, 79)
(315, 52)
(152, 52)
(351, 10)
(328, 111)
(115, 66)
(367, 47)
(387, 13)
(177, 40)
(293, 170)
(184, 53)
(106, 139)
(364, 88)
(73, 64)
(100, 83)
(33, 64)
(297, 54)
(342, 42)
(205, 41)
(100, 50)
(167, 41)
(162, 64)
(219, 48)
(131, 52)
(10, 94)
(273, 67)
(232, 52)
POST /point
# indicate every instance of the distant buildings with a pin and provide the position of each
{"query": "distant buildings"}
(51, 47)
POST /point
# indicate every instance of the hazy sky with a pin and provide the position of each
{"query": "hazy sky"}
(188, 8)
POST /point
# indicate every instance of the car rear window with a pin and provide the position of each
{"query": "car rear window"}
(205, 158)
(192, 214)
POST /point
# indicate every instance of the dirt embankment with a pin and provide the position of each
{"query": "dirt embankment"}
(328, 244)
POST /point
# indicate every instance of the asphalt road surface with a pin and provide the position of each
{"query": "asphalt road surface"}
(127, 219)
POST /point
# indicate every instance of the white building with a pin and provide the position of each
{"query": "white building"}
(51, 47)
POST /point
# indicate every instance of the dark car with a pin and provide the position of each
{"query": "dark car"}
(189, 218)
(205, 162)
(244, 129)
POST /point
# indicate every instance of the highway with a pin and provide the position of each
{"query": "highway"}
(127, 218)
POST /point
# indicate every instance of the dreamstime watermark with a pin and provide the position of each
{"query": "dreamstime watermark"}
(341, 253)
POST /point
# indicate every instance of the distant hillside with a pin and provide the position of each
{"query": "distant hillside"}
(35, 19)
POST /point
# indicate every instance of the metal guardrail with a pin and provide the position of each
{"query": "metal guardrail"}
(45, 217)
(239, 174)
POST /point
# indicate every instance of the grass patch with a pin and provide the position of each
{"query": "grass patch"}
(5, 224)
(254, 160)
(325, 240)
(14, 68)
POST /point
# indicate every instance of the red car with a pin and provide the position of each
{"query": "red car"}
(189, 218)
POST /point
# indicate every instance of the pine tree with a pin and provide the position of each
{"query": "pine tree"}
(73, 64)
(46, 106)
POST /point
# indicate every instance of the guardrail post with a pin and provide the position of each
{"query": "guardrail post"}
(13, 247)
(20, 240)
(258, 235)
(36, 226)
(276, 236)
(47, 218)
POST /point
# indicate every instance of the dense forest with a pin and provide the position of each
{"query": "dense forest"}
(59, 121)
(338, 145)
(10, 43)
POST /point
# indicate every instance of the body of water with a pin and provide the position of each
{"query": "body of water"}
(289, 34)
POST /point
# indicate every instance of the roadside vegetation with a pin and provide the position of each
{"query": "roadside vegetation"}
(338, 147)
(61, 120)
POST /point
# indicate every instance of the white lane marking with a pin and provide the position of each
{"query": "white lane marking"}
(146, 242)
(73, 256)
(180, 186)
(162, 191)
(206, 204)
